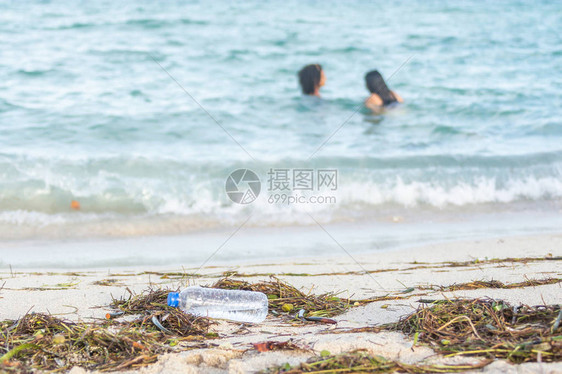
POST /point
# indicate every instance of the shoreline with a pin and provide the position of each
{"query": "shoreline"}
(267, 244)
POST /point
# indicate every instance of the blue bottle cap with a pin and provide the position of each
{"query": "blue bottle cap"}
(173, 299)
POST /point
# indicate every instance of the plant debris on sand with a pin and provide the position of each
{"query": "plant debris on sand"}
(484, 327)
(361, 361)
(45, 342)
(494, 284)
(154, 314)
(284, 298)
(279, 346)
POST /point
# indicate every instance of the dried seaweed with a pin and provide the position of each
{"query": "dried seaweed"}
(50, 343)
(152, 299)
(494, 284)
(110, 282)
(155, 314)
(481, 327)
(288, 345)
(488, 328)
(45, 342)
(418, 265)
(285, 299)
(357, 330)
(360, 361)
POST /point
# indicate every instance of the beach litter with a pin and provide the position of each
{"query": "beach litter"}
(151, 311)
(142, 326)
(233, 305)
(301, 316)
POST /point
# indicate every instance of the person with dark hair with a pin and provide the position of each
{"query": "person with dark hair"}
(311, 78)
(381, 95)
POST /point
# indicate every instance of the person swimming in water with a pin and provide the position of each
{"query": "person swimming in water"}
(381, 95)
(311, 78)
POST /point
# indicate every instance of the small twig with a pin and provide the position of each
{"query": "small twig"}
(456, 319)
(68, 306)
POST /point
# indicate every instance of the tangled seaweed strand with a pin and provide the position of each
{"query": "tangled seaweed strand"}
(484, 327)
(360, 361)
(285, 298)
(45, 342)
(493, 284)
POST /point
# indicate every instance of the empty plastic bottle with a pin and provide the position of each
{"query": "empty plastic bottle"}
(234, 305)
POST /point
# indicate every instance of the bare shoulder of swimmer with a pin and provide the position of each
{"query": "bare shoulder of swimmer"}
(398, 97)
(374, 102)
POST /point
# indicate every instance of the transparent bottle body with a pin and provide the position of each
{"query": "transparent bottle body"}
(234, 305)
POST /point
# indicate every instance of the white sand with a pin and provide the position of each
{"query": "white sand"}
(74, 296)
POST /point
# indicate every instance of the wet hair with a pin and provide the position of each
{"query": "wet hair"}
(375, 84)
(309, 78)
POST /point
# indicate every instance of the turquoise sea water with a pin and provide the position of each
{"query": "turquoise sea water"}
(86, 114)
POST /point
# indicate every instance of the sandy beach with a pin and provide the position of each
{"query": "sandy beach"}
(409, 274)
(388, 175)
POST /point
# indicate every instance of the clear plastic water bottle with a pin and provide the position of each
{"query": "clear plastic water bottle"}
(234, 305)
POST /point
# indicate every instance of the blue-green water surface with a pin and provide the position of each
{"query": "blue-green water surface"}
(88, 114)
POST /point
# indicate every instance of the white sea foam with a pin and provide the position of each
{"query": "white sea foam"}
(202, 207)
(482, 190)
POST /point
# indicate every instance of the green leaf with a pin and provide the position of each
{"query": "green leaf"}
(16, 350)
(287, 307)
(173, 343)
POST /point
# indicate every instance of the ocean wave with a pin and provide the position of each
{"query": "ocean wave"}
(151, 209)
(147, 185)
(440, 195)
